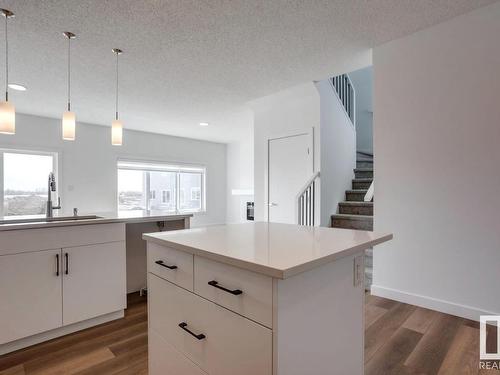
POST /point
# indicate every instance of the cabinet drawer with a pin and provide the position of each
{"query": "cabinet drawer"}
(170, 264)
(165, 360)
(227, 343)
(247, 293)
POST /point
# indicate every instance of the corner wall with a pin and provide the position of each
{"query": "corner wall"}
(437, 158)
(338, 151)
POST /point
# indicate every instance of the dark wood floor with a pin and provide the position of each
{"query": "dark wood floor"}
(400, 339)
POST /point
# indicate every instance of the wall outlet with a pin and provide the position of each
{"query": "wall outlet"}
(359, 270)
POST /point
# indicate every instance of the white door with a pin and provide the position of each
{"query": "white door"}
(30, 294)
(290, 166)
(94, 277)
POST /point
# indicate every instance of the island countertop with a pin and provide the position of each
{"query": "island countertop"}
(129, 217)
(276, 250)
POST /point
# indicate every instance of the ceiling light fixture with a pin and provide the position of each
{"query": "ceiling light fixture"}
(203, 123)
(17, 87)
(117, 125)
(69, 118)
(7, 110)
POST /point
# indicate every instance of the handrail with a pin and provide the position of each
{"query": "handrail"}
(306, 202)
(346, 93)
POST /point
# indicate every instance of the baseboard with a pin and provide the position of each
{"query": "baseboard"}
(58, 332)
(446, 307)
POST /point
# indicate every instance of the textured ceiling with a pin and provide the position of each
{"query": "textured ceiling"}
(188, 61)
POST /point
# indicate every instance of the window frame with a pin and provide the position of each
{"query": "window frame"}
(149, 166)
(28, 151)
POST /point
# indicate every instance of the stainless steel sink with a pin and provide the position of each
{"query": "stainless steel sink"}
(49, 220)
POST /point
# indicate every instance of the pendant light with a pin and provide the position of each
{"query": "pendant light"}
(7, 110)
(117, 125)
(69, 118)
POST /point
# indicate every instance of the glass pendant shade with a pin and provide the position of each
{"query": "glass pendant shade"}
(68, 126)
(7, 118)
(116, 133)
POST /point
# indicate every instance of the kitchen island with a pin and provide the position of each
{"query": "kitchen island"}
(257, 298)
(68, 273)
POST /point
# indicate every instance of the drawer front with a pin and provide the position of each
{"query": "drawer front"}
(165, 360)
(170, 264)
(226, 343)
(255, 300)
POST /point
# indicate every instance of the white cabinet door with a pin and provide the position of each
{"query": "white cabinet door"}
(30, 294)
(94, 281)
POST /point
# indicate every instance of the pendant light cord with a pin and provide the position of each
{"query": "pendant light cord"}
(6, 61)
(116, 103)
(69, 74)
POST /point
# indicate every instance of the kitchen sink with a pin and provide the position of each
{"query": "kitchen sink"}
(49, 220)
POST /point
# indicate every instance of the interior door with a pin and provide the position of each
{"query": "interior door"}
(290, 166)
(93, 281)
(30, 294)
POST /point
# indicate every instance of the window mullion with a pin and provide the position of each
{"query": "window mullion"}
(1, 186)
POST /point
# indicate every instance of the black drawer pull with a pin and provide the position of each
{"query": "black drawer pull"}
(215, 284)
(66, 256)
(183, 325)
(160, 263)
(57, 264)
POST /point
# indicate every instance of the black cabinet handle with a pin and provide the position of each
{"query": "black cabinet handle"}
(183, 325)
(160, 263)
(215, 284)
(66, 258)
(57, 264)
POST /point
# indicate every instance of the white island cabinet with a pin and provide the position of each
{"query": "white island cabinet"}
(257, 299)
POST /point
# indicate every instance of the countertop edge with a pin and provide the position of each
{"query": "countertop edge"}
(265, 270)
(102, 220)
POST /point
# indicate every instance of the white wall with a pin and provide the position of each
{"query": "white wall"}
(338, 151)
(362, 81)
(240, 159)
(292, 111)
(437, 157)
(88, 176)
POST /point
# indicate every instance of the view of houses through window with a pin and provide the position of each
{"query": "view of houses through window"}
(23, 180)
(158, 186)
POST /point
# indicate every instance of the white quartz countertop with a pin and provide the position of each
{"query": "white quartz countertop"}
(276, 250)
(129, 217)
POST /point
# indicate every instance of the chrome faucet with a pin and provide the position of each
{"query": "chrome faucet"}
(50, 188)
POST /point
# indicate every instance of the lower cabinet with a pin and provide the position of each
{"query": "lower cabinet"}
(30, 293)
(94, 281)
(45, 290)
(217, 340)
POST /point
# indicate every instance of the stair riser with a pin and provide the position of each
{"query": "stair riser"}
(360, 185)
(356, 210)
(354, 197)
(352, 224)
(363, 174)
(364, 164)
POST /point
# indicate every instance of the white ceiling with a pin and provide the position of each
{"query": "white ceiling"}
(188, 61)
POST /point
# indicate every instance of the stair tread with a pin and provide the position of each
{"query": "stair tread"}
(355, 203)
(363, 169)
(363, 179)
(357, 191)
(353, 217)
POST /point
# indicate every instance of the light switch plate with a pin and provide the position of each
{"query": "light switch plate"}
(359, 270)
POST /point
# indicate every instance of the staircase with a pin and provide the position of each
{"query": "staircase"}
(354, 212)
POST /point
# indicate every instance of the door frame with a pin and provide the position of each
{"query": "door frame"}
(312, 148)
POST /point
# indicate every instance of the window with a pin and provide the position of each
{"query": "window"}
(23, 181)
(160, 186)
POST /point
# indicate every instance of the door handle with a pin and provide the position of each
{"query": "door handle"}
(57, 264)
(272, 204)
(160, 263)
(215, 284)
(66, 258)
(199, 336)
